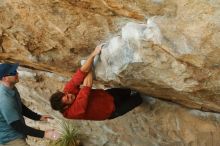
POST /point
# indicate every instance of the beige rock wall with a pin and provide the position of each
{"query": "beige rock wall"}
(168, 49)
(182, 65)
(154, 123)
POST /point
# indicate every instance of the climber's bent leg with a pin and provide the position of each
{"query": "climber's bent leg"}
(126, 106)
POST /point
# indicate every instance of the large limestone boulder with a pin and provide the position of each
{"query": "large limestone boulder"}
(167, 49)
(171, 67)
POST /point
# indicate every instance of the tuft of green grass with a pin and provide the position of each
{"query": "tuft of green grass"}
(69, 135)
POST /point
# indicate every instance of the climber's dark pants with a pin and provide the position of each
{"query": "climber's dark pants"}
(124, 101)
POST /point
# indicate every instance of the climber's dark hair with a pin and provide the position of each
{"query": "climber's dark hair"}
(56, 101)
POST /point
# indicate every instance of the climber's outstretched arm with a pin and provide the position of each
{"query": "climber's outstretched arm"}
(88, 64)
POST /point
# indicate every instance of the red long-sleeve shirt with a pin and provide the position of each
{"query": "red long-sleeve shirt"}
(89, 104)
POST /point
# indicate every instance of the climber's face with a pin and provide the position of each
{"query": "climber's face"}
(67, 99)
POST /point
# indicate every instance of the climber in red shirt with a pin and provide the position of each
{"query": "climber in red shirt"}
(92, 104)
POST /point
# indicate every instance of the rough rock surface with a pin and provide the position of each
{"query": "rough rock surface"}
(166, 49)
(174, 57)
(154, 123)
